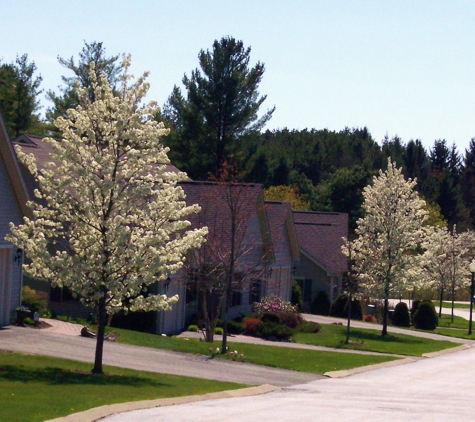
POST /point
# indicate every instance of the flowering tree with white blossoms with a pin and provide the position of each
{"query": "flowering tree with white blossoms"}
(388, 234)
(443, 261)
(109, 219)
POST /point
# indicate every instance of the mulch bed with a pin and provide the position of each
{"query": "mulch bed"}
(39, 325)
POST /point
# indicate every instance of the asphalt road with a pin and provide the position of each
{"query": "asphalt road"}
(146, 359)
(437, 389)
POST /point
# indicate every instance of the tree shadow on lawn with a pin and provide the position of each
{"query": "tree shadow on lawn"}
(58, 376)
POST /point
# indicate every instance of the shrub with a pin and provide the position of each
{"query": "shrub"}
(401, 315)
(274, 304)
(338, 306)
(356, 310)
(29, 321)
(369, 318)
(235, 327)
(193, 328)
(252, 326)
(290, 319)
(297, 296)
(321, 304)
(309, 327)
(36, 302)
(271, 330)
(219, 330)
(415, 305)
(270, 317)
(425, 317)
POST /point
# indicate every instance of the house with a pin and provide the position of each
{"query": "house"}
(273, 244)
(265, 248)
(13, 199)
(285, 247)
(322, 263)
(61, 301)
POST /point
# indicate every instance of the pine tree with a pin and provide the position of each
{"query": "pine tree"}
(221, 106)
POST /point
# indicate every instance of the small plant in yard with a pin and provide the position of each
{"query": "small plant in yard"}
(401, 315)
(425, 318)
(321, 304)
(218, 330)
(369, 318)
(35, 301)
(193, 328)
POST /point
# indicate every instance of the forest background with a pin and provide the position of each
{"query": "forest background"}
(324, 170)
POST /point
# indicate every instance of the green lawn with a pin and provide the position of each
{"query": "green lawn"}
(371, 340)
(311, 361)
(449, 305)
(37, 388)
(446, 321)
(456, 332)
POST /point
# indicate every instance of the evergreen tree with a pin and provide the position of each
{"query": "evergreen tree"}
(93, 52)
(221, 106)
(445, 166)
(19, 90)
(468, 182)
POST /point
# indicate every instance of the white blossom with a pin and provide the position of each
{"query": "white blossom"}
(109, 219)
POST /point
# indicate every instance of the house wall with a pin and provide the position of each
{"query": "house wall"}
(10, 271)
(173, 321)
(313, 279)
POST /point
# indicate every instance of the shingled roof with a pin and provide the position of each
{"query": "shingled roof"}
(320, 236)
(215, 214)
(279, 215)
(41, 150)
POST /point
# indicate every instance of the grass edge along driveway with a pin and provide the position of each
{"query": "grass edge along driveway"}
(303, 360)
(37, 388)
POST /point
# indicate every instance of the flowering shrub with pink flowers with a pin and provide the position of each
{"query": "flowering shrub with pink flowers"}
(275, 304)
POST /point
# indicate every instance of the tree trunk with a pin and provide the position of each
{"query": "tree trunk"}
(386, 309)
(101, 320)
(453, 302)
(349, 319)
(441, 299)
(225, 322)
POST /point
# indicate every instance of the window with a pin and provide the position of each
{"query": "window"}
(254, 291)
(236, 298)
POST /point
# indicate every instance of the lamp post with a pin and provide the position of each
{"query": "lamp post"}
(472, 270)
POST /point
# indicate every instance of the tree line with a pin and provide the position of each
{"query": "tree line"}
(217, 118)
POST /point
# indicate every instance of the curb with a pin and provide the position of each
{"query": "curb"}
(361, 369)
(97, 413)
(446, 351)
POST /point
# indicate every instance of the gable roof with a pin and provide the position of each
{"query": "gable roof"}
(279, 214)
(41, 150)
(320, 238)
(7, 154)
(215, 212)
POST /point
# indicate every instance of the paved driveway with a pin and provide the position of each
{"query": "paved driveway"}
(72, 346)
(436, 389)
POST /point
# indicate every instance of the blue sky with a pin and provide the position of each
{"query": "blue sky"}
(398, 67)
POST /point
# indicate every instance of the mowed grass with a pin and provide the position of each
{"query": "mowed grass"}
(449, 305)
(37, 388)
(303, 360)
(446, 321)
(371, 340)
